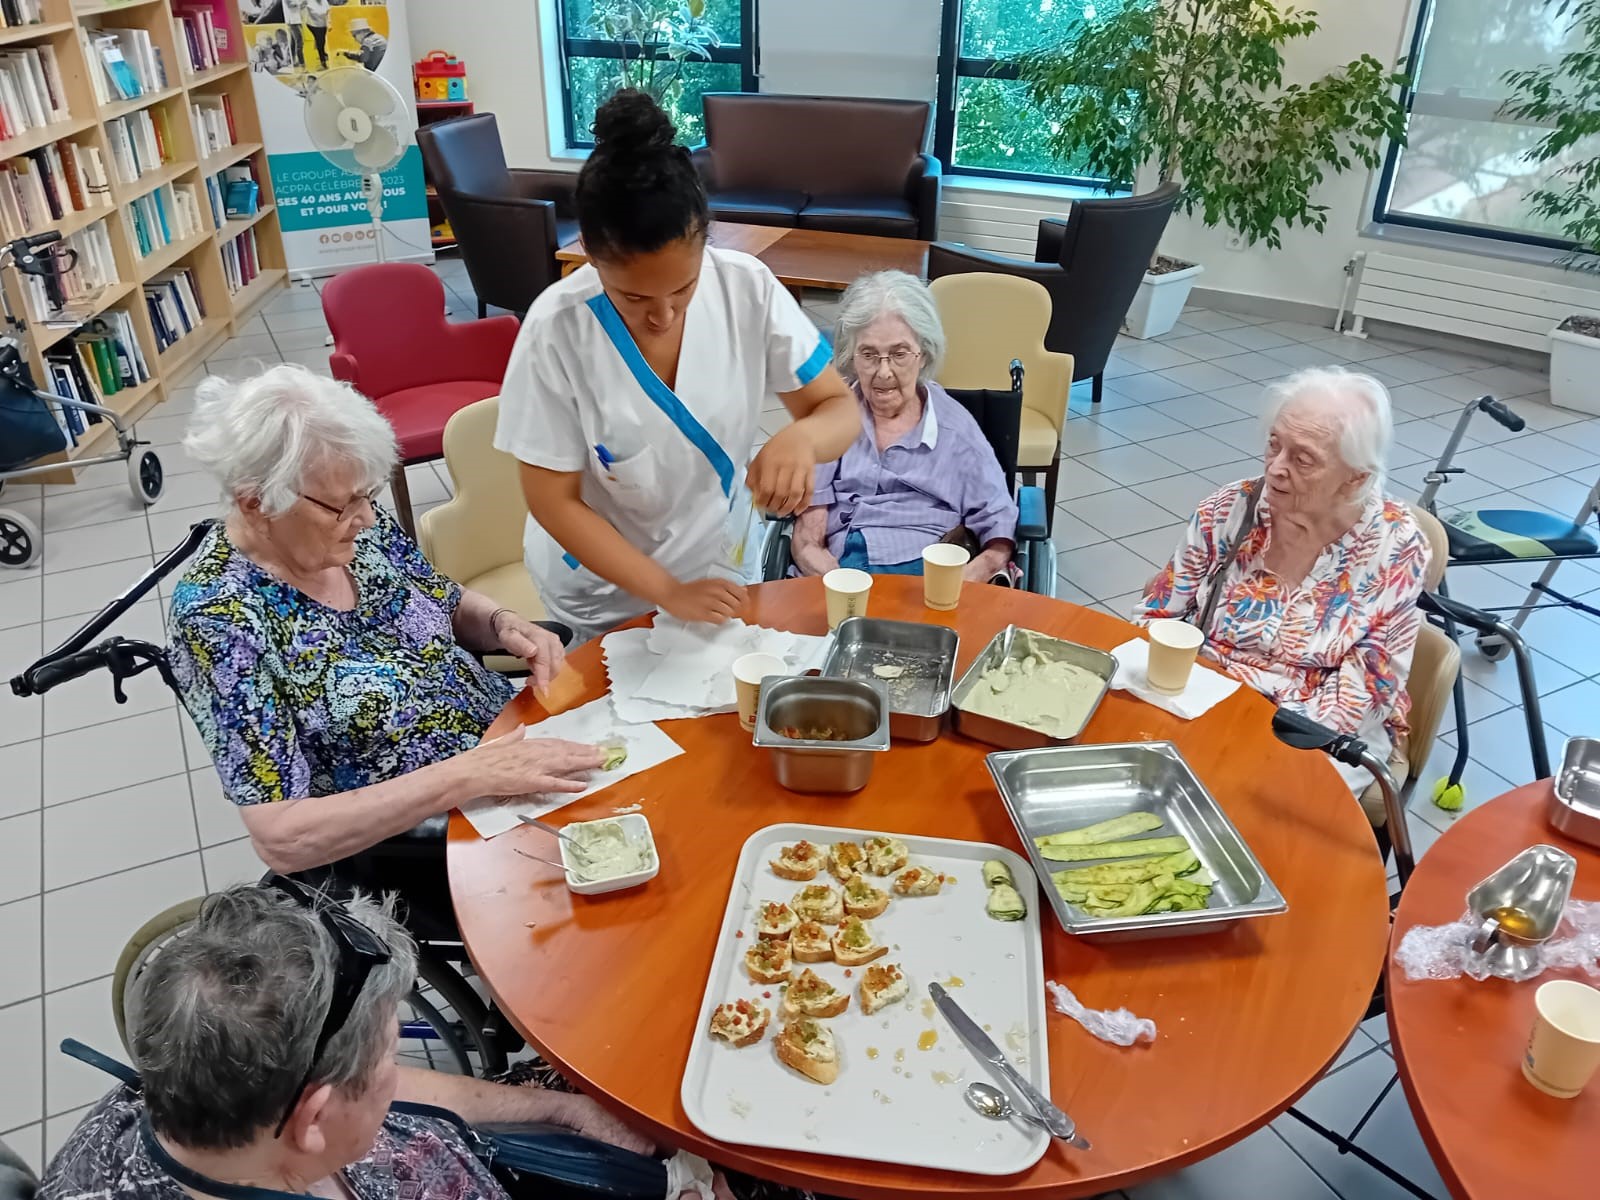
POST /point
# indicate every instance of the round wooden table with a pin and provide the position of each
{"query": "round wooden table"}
(608, 988)
(1459, 1043)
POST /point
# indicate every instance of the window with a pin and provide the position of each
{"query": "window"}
(1465, 166)
(602, 52)
(985, 124)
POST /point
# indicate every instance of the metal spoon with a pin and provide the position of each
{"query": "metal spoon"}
(991, 1102)
(576, 874)
(577, 846)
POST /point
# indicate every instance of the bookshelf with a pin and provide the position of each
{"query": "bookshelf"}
(138, 255)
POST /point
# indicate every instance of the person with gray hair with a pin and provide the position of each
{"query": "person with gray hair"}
(265, 1042)
(920, 471)
(329, 668)
(1305, 580)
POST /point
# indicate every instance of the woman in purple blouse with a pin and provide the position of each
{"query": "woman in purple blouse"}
(921, 470)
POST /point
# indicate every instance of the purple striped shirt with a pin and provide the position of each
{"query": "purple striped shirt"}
(941, 474)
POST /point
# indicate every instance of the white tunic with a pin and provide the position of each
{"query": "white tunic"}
(664, 466)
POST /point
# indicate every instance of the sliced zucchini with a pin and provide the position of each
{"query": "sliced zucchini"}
(995, 871)
(1094, 851)
(1114, 830)
(1006, 903)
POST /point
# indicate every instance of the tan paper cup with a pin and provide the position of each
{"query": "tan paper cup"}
(848, 590)
(942, 565)
(1173, 646)
(748, 672)
(1564, 1051)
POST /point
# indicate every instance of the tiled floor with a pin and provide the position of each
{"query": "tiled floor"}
(109, 814)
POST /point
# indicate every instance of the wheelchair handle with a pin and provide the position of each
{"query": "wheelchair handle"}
(1498, 410)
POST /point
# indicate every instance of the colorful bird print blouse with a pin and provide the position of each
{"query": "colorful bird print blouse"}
(294, 698)
(1337, 645)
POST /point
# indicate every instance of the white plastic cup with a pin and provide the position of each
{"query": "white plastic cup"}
(748, 672)
(1564, 1048)
(848, 591)
(942, 565)
(1173, 646)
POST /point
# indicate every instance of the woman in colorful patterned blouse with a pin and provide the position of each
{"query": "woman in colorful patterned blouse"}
(329, 668)
(1318, 610)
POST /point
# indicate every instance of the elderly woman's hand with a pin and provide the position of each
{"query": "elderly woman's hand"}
(517, 765)
(782, 474)
(538, 645)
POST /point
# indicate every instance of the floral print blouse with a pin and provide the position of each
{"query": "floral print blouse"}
(294, 698)
(1338, 645)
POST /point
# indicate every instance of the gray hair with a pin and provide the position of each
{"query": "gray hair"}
(260, 437)
(1357, 404)
(888, 293)
(223, 1023)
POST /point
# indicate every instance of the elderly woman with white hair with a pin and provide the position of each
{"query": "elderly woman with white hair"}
(920, 471)
(329, 668)
(1305, 580)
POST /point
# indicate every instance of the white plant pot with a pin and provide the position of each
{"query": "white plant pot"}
(1575, 371)
(1159, 302)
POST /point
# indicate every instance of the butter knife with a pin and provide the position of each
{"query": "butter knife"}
(1057, 1122)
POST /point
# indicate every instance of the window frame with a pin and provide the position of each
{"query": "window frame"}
(746, 55)
(1447, 106)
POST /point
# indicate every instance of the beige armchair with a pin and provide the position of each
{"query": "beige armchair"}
(989, 320)
(476, 537)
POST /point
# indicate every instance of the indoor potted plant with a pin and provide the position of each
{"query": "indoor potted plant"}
(656, 39)
(1193, 91)
(1565, 95)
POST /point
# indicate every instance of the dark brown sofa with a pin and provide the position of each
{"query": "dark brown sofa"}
(821, 162)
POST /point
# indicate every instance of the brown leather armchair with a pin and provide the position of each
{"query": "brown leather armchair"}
(821, 162)
(508, 224)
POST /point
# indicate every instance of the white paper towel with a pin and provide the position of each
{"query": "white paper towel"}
(1206, 688)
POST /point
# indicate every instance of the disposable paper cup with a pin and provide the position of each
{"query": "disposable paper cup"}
(1564, 1051)
(941, 575)
(748, 672)
(848, 590)
(1173, 645)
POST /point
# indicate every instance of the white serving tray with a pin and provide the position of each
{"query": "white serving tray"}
(905, 1105)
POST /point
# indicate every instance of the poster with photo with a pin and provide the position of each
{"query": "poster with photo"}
(295, 47)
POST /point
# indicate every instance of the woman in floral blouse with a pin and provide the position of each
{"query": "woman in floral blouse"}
(330, 669)
(1317, 609)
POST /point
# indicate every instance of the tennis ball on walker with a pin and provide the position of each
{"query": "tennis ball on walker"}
(1449, 796)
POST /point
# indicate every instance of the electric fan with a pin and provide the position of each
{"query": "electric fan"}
(362, 125)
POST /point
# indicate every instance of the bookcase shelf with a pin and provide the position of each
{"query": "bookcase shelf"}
(200, 254)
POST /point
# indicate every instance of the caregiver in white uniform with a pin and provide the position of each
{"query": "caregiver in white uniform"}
(634, 393)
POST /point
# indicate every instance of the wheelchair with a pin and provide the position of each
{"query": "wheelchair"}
(453, 1025)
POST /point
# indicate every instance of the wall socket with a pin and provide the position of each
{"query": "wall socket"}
(1235, 241)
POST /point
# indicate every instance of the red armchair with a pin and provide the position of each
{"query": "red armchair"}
(392, 343)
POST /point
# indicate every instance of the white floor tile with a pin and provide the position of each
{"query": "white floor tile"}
(22, 1097)
(1413, 400)
(1104, 571)
(299, 345)
(1180, 495)
(126, 752)
(1558, 494)
(1300, 356)
(19, 859)
(1502, 469)
(1574, 710)
(1479, 784)
(87, 925)
(1156, 545)
(22, 601)
(216, 816)
(1271, 1168)
(164, 428)
(72, 508)
(1566, 634)
(1194, 450)
(1508, 383)
(1079, 480)
(89, 589)
(169, 526)
(1230, 472)
(1120, 513)
(1079, 437)
(1149, 356)
(58, 1129)
(1501, 677)
(114, 831)
(231, 863)
(194, 748)
(20, 718)
(1253, 366)
(1400, 369)
(1070, 593)
(1204, 377)
(425, 486)
(113, 541)
(1147, 388)
(1501, 743)
(90, 700)
(1125, 465)
(1547, 450)
(188, 491)
(251, 347)
(1139, 424)
(82, 1012)
(289, 320)
(1202, 346)
(1198, 411)
(21, 772)
(28, 1144)
(20, 946)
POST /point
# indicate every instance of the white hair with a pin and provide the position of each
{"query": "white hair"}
(260, 437)
(1358, 406)
(893, 294)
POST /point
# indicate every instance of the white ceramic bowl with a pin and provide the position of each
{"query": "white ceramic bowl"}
(635, 828)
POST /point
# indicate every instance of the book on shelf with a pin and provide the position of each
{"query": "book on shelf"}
(243, 197)
(212, 129)
(143, 58)
(32, 94)
(170, 213)
(40, 188)
(94, 270)
(173, 302)
(212, 16)
(138, 144)
(20, 12)
(240, 261)
(196, 34)
(215, 186)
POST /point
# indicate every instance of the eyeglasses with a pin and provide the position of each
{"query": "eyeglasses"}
(359, 951)
(900, 359)
(350, 510)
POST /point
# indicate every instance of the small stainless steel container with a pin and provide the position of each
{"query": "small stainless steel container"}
(1012, 642)
(922, 663)
(1575, 805)
(808, 703)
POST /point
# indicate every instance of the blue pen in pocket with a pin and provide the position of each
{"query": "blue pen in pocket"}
(606, 459)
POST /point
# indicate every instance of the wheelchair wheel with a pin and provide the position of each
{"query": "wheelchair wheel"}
(1492, 647)
(146, 476)
(142, 949)
(450, 1011)
(20, 542)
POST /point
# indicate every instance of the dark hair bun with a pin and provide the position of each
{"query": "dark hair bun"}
(630, 122)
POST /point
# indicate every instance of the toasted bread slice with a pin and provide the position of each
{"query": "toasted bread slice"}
(800, 861)
(882, 986)
(808, 1047)
(810, 943)
(813, 996)
(861, 899)
(854, 944)
(918, 881)
(741, 1022)
(776, 921)
(885, 855)
(768, 961)
(819, 902)
(845, 859)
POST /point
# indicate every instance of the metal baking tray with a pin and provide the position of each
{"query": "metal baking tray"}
(1068, 787)
(1012, 642)
(848, 705)
(925, 656)
(1575, 804)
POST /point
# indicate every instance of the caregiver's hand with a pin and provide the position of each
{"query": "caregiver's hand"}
(711, 601)
(782, 475)
(515, 765)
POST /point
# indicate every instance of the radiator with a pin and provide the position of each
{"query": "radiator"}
(1506, 310)
(997, 222)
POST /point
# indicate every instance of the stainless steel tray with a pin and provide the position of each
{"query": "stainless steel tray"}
(1013, 642)
(1575, 805)
(849, 705)
(919, 697)
(1068, 787)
